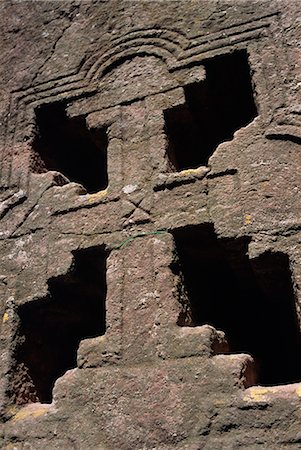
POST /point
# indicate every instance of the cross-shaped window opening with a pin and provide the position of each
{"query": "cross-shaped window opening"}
(51, 328)
(214, 109)
(252, 301)
(66, 145)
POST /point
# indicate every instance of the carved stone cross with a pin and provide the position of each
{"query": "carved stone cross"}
(172, 190)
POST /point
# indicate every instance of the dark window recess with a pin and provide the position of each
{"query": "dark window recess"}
(66, 145)
(213, 111)
(252, 301)
(51, 328)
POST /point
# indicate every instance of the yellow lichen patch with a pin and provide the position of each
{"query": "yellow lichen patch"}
(298, 391)
(11, 446)
(5, 317)
(248, 219)
(31, 411)
(220, 402)
(12, 410)
(186, 172)
(257, 394)
(97, 196)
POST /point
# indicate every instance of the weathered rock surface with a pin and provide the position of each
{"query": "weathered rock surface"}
(150, 225)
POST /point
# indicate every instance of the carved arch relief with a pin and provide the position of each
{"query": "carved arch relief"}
(178, 57)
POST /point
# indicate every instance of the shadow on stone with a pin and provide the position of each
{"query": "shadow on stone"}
(252, 301)
(66, 145)
(213, 111)
(51, 328)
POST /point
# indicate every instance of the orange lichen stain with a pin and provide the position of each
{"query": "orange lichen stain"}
(5, 317)
(97, 196)
(248, 219)
(31, 412)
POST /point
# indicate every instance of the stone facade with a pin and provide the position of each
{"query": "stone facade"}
(150, 237)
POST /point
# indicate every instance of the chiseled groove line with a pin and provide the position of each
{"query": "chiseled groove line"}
(3, 146)
(152, 40)
(224, 35)
(7, 152)
(41, 92)
(235, 37)
(5, 141)
(21, 108)
(10, 143)
(145, 49)
(104, 57)
(21, 177)
(255, 19)
(59, 90)
(199, 56)
(247, 34)
(178, 36)
(156, 41)
(153, 35)
(165, 35)
(236, 29)
(53, 97)
(75, 76)
(128, 39)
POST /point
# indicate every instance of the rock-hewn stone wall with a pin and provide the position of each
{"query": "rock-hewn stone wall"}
(150, 225)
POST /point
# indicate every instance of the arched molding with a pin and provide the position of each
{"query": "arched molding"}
(164, 44)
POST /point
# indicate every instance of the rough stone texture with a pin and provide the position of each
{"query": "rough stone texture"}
(156, 378)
